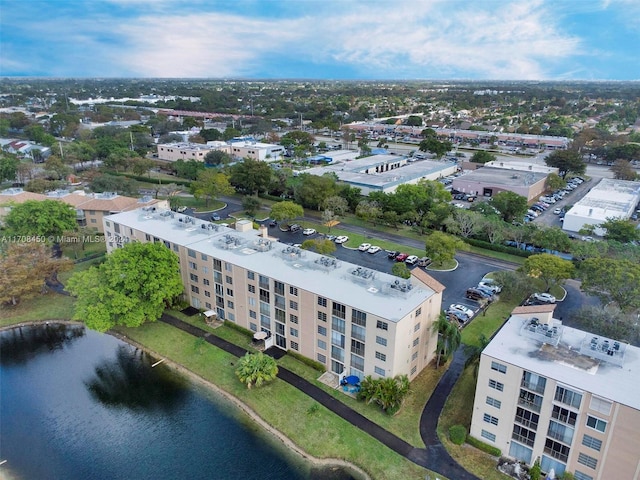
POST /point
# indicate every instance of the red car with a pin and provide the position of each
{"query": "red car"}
(401, 257)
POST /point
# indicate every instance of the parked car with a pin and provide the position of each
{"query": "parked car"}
(392, 254)
(309, 231)
(456, 307)
(492, 284)
(295, 228)
(341, 239)
(544, 297)
(273, 223)
(215, 217)
(331, 237)
(364, 247)
(181, 209)
(411, 260)
(373, 249)
(456, 316)
(424, 262)
(557, 211)
(401, 257)
(486, 290)
(476, 294)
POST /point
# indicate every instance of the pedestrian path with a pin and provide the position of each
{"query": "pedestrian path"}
(434, 457)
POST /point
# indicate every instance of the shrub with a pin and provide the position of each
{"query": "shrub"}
(535, 471)
(491, 450)
(498, 247)
(238, 328)
(457, 434)
(307, 361)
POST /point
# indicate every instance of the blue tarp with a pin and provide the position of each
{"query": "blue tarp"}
(352, 380)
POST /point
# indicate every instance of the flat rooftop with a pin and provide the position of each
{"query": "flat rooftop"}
(609, 198)
(502, 176)
(535, 341)
(371, 291)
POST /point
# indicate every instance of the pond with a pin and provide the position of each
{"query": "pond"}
(77, 404)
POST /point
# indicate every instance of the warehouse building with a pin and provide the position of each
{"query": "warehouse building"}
(487, 181)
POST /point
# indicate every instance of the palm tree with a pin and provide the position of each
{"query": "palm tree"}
(389, 393)
(448, 338)
(473, 353)
(256, 369)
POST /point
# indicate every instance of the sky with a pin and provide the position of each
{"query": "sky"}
(329, 39)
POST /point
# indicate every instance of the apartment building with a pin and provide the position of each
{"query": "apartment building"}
(353, 320)
(561, 395)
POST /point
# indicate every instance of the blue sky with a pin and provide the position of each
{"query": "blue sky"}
(329, 39)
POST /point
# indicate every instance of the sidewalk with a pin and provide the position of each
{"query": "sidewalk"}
(435, 457)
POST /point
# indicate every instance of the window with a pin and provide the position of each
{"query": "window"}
(564, 415)
(265, 308)
(294, 332)
(293, 291)
(358, 332)
(381, 341)
(379, 371)
(527, 418)
(230, 304)
(321, 358)
(488, 435)
(206, 281)
(520, 452)
(294, 346)
(252, 288)
(207, 293)
(322, 316)
(253, 314)
(533, 382)
(203, 256)
(337, 353)
(556, 450)
(416, 341)
(231, 317)
(337, 367)
(357, 362)
(530, 400)
(251, 275)
(193, 266)
(498, 367)
(357, 348)
(217, 265)
(280, 301)
(229, 279)
(219, 290)
(293, 318)
(322, 344)
(381, 356)
(587, 460)
(493, 402)
(338, 310)
(600, 405)
(193, 277)
(293, 305)
(322, 330)
(358, 317)
(560, 432)
(414, 369)
(217, 277)
(419, 312)
(191, 253)
(230, 292)
(338, 325)
(195, 289)
(523, 435)
(263, 281)
(337, 339)
(205, 270)
(228, 267)
(382, 325)
(278, 287)
(207, 304)
(578, 475)
(251, 301)
(589, 441)
(264, 295)
(497, 385)
(322, 301)
(596, 423)
(416, 327)
(490, 419)
(568, 397)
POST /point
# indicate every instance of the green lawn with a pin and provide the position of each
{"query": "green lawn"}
(487, 324)
(50, 306)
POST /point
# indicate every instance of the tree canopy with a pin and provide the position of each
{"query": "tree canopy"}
(549, 268)
(251, 176)
(320, 245)
(44, 218)
(482, 156)
(612, 281)
(566, 161)
(441, 247)
(620, 230)
(134, 285)
(210, 185)
(256, 369)
(510, 205)
(285, 211)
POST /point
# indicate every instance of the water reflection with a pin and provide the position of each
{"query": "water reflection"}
(22, 344)
(127, 381)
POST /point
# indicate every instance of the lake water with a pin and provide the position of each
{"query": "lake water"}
(76, 404)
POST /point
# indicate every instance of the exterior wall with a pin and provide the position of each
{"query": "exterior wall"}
(173, 153)
(574, 223)
(257, 152)
(530, 192)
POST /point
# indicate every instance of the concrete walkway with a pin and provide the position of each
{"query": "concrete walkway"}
(434, 457)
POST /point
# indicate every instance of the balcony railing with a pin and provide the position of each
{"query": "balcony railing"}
(557, 455)
(530, 405)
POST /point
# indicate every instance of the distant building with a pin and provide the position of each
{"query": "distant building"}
(26, 149)
(608, 199)
(183, 151)
(487, 181)
(248, 148)
(561, 395)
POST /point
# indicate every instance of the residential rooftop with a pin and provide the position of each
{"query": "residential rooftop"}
(533, 340)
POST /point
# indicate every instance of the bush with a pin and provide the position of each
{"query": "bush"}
(307, 361)
(457, 434)
(498, 247)
(535, 471)
(491, 450)
(238, 328)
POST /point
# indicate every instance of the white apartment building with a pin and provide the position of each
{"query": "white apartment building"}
(353, 320)
(567, 397)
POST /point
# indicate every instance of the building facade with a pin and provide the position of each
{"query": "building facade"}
(186, 151)
(564, 396)
(487, 181)
(353, 320)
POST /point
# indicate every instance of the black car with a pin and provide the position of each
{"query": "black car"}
(273, 223)
(392, 254)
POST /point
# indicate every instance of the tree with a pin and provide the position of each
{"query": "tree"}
(44, 218)
(566, 161)
(623, 170)
(211, 184)
(251, 205)
(549, 268)
(612, 281)
(8, 166)
(554, 182)
(510, 205)
(251, 176)
(320, 245)
(112, 183)
(256, 369)
(434, 146)
(134, 285)
(494, 229)
(464, 223)
(312, 190)
(414, 121)
(140, 165)
(388, 393)
(369, 211)
(620, 230)
(473, 353)
(608, 321)
(24, 268)
(448, 338)
(515, 285)
(401, 270)
(216, 158)
(552, 238)
(441, 248)
(285, 211)
(482, 156)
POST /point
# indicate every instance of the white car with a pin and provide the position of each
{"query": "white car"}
(341, 239)
(544, 297)
(462, 309)
(309, 231)
(411, 260)
(364, 247)
(494, 287)
(374, 249)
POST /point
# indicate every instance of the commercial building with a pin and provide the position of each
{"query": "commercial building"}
(487, 181)
(561, 395)
(384, 173)
(238, 149)
(248, 148)
(186, 151)
(608, 199)
(353, 320)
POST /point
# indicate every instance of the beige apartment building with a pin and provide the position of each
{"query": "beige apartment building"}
(564, 396)
(353, 320)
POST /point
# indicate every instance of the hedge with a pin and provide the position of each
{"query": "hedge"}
(238, 328)
(491, 450)
(457, 434)
(498, 247)
(160, 181)
(307, 361)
